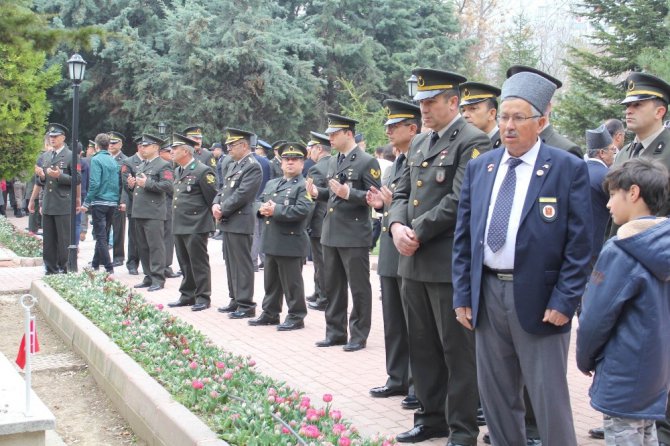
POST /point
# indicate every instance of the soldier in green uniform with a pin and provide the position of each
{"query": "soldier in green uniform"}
(346, 236)
(129, 169)
(549, 135)
(119, 220)
(402, 125)
(194, 192)
(320, 153)
(284, 207)
(479, 107)
(150, 185)
(202, 154)
(233, 206)
(57, 177)
(422, 219)
(275, 162)
(165, 152)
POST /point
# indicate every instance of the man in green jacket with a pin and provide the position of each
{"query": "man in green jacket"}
(102, 199)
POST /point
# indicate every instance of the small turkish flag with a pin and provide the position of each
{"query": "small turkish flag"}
(34, 346)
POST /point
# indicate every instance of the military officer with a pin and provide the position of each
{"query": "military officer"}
(319, 147)
(194, 192)
(150, 185)
(275, 162)
(549, 135)
(165, 152)
(646, 104)
(233, 206)
(201, 154)
(129, 169)
(346, 235)
(55, 179)
(402, 125)
(284, 207)
(422, 219)
(119, 219)
(479, 107)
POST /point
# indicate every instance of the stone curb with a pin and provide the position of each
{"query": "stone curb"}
(149, 409)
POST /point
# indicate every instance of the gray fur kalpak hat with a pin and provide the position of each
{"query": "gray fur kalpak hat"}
(531, 87)
(598, 139)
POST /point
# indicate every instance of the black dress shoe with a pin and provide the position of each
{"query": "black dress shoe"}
(155, 288)
(290, 325)
(133, 272)
(421, 433)
(263, 319)
(597, 432)
(228, 308)
(142, 285)
(171, 275)
(533, 442)
(487, 438)
(180, 303)
(241, 314)
(330, 342)
(451, 443)
(315, 306)
(117, 263)
(200, 307)
(311, 298)
(354, 346)
(481, 421)
(410, 403)
(385, 392)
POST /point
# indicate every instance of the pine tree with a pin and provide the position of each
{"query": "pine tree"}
(518, 47)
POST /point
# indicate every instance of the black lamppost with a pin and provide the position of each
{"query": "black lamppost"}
(411, 86)
(76, 68)
(162, 127)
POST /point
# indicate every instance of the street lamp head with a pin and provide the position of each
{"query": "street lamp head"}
(76, 68)
(411, 85)
(162, 127)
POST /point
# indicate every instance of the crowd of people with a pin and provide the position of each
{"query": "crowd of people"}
(493, 231)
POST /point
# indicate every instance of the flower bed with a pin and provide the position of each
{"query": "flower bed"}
(241, 405)
(22, 243)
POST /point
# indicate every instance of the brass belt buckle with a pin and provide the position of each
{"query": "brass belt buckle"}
(505, 277)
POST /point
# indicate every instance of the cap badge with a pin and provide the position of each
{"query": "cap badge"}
(631, 85)
(421, 81)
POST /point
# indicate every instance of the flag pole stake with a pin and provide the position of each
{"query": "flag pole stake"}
(28, 302)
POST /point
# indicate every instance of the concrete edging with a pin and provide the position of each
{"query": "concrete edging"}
(149, 409)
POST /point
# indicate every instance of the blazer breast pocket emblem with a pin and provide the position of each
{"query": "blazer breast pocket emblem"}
(548, 208)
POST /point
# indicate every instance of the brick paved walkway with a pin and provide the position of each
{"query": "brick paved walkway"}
(292, 356)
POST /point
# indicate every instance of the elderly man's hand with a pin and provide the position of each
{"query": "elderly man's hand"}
(464, 316)
(555, 317)
(404, 239)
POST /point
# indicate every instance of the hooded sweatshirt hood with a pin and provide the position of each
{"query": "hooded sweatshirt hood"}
(647, 240)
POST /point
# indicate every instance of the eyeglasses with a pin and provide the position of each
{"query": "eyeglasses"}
(516, 119)
(236, 143)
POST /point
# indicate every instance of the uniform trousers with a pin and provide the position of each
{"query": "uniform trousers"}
(239, 269)
(119, 228)
(442, 359)
(56, 239)
(149, 233)
(395, 334)
(319, 271)
(348, 266)
(103, 217)
(196, 284)
(170, 241)
(283, 277)
(509, 357)
(133, 254)
(257, 257)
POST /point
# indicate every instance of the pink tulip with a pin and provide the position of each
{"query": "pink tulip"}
(228, 374)
(159, 307)
(336, 415)
(185, 351)
(125, 323)
(220, 365)
(214, 394)
(327, 397)
(344, 441)
(338, 428)
(251, 363)
(284, 430)
(193, 365)
(197, 384)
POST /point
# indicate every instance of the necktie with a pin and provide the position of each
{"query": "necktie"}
(637, 147)
(53, 156)
(399, 162)
(500, 219)
(434, 136)
(340, 158)
(281, 183)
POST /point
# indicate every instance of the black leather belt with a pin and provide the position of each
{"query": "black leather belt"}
(502, 274)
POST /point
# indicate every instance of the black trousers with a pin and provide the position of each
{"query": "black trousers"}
(239, 268)
(119, 227)
(319, 271)
(283, 277)
(151, 248)
(396, 344)
(196, 283)
(56, 238)
(133, 254)
(102, 222)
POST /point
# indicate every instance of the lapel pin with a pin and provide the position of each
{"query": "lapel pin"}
(539, 173)
(546, 166)
(489, 168)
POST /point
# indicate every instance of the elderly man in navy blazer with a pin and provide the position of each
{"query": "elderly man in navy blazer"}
(521, 248)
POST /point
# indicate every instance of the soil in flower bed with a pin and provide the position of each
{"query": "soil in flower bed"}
(84, 414)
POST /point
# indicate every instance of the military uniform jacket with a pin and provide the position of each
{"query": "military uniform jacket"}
(194, 192)
(387, 265)
(238, 194)
(149, 201)
(56, 199)
(426, 198)
(658, 150)
(551, 138)
(275, 168)
(129, 167)
(318, 173)
(284, 233)
(347, 222)
(206, 157)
